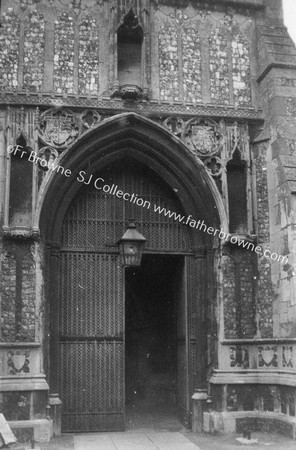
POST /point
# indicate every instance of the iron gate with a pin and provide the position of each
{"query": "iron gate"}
(91, 295)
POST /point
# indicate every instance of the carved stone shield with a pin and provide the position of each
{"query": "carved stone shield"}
(59, 128)
(203, 136)
(203, 139)
(19, 360)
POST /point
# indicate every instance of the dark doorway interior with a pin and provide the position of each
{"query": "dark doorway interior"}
(152, 295)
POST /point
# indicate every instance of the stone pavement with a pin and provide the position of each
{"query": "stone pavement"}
(139, 440)
(148, 440)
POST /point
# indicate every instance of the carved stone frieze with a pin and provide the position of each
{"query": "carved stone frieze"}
(73, 101)
(20, 233)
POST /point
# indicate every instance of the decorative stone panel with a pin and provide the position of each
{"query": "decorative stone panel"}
(262, 193)
(88, 66)
(168, 62)
(259, 354)
(265, 291)
(288, 356)
(238, 294)
(237, 139)
(230, 325)
(64, 54)
(191, 54)
(241, 70)
(9, 50)
(18, 299)
(219, 68)
(8, 287)
(204, 137)
(265, 297)
(248, 307)
(33, 66)
(59, 127)
(19, 358)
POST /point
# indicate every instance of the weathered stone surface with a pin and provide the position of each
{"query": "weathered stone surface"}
(191, 62)
(168, 62)
(9, 46)
(18, 301)
(33, 66)
(219, 68)
(241, 70)
(64, 54)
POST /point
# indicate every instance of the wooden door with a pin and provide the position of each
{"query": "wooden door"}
(91, 346)
(90, 304)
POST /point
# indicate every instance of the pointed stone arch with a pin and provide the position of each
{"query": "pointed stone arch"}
(130, 135)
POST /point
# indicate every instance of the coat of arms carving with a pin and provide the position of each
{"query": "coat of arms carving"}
(59, 128)
(203, 136)
(18, 361)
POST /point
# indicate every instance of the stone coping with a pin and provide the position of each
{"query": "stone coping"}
(21, 382)
(255, 376)
(259, 414)
(257, 341)
(19, 344)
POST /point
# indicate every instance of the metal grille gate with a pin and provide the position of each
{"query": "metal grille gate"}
(91, 294)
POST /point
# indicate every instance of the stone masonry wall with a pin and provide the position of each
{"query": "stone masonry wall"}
(200, 56)
(18, 287)
(265, 291)
(215, 52)
(238, 295)
(277, 62)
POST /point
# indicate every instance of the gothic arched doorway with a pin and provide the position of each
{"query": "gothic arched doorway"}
(81, 224)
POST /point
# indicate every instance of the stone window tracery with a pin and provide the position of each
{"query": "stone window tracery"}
(9, 50)
(64, 54)
(241, 70)
(191, 54)
(219, 68)
(33, 66)
(88, 66)
(168, 62)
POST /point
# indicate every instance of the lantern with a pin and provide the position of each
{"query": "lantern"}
(131, 246)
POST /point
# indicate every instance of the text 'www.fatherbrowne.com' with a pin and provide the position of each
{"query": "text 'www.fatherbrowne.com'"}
(52, 166)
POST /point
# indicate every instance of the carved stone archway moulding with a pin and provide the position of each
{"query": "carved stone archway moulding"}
(211, 143)
(129, 131)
